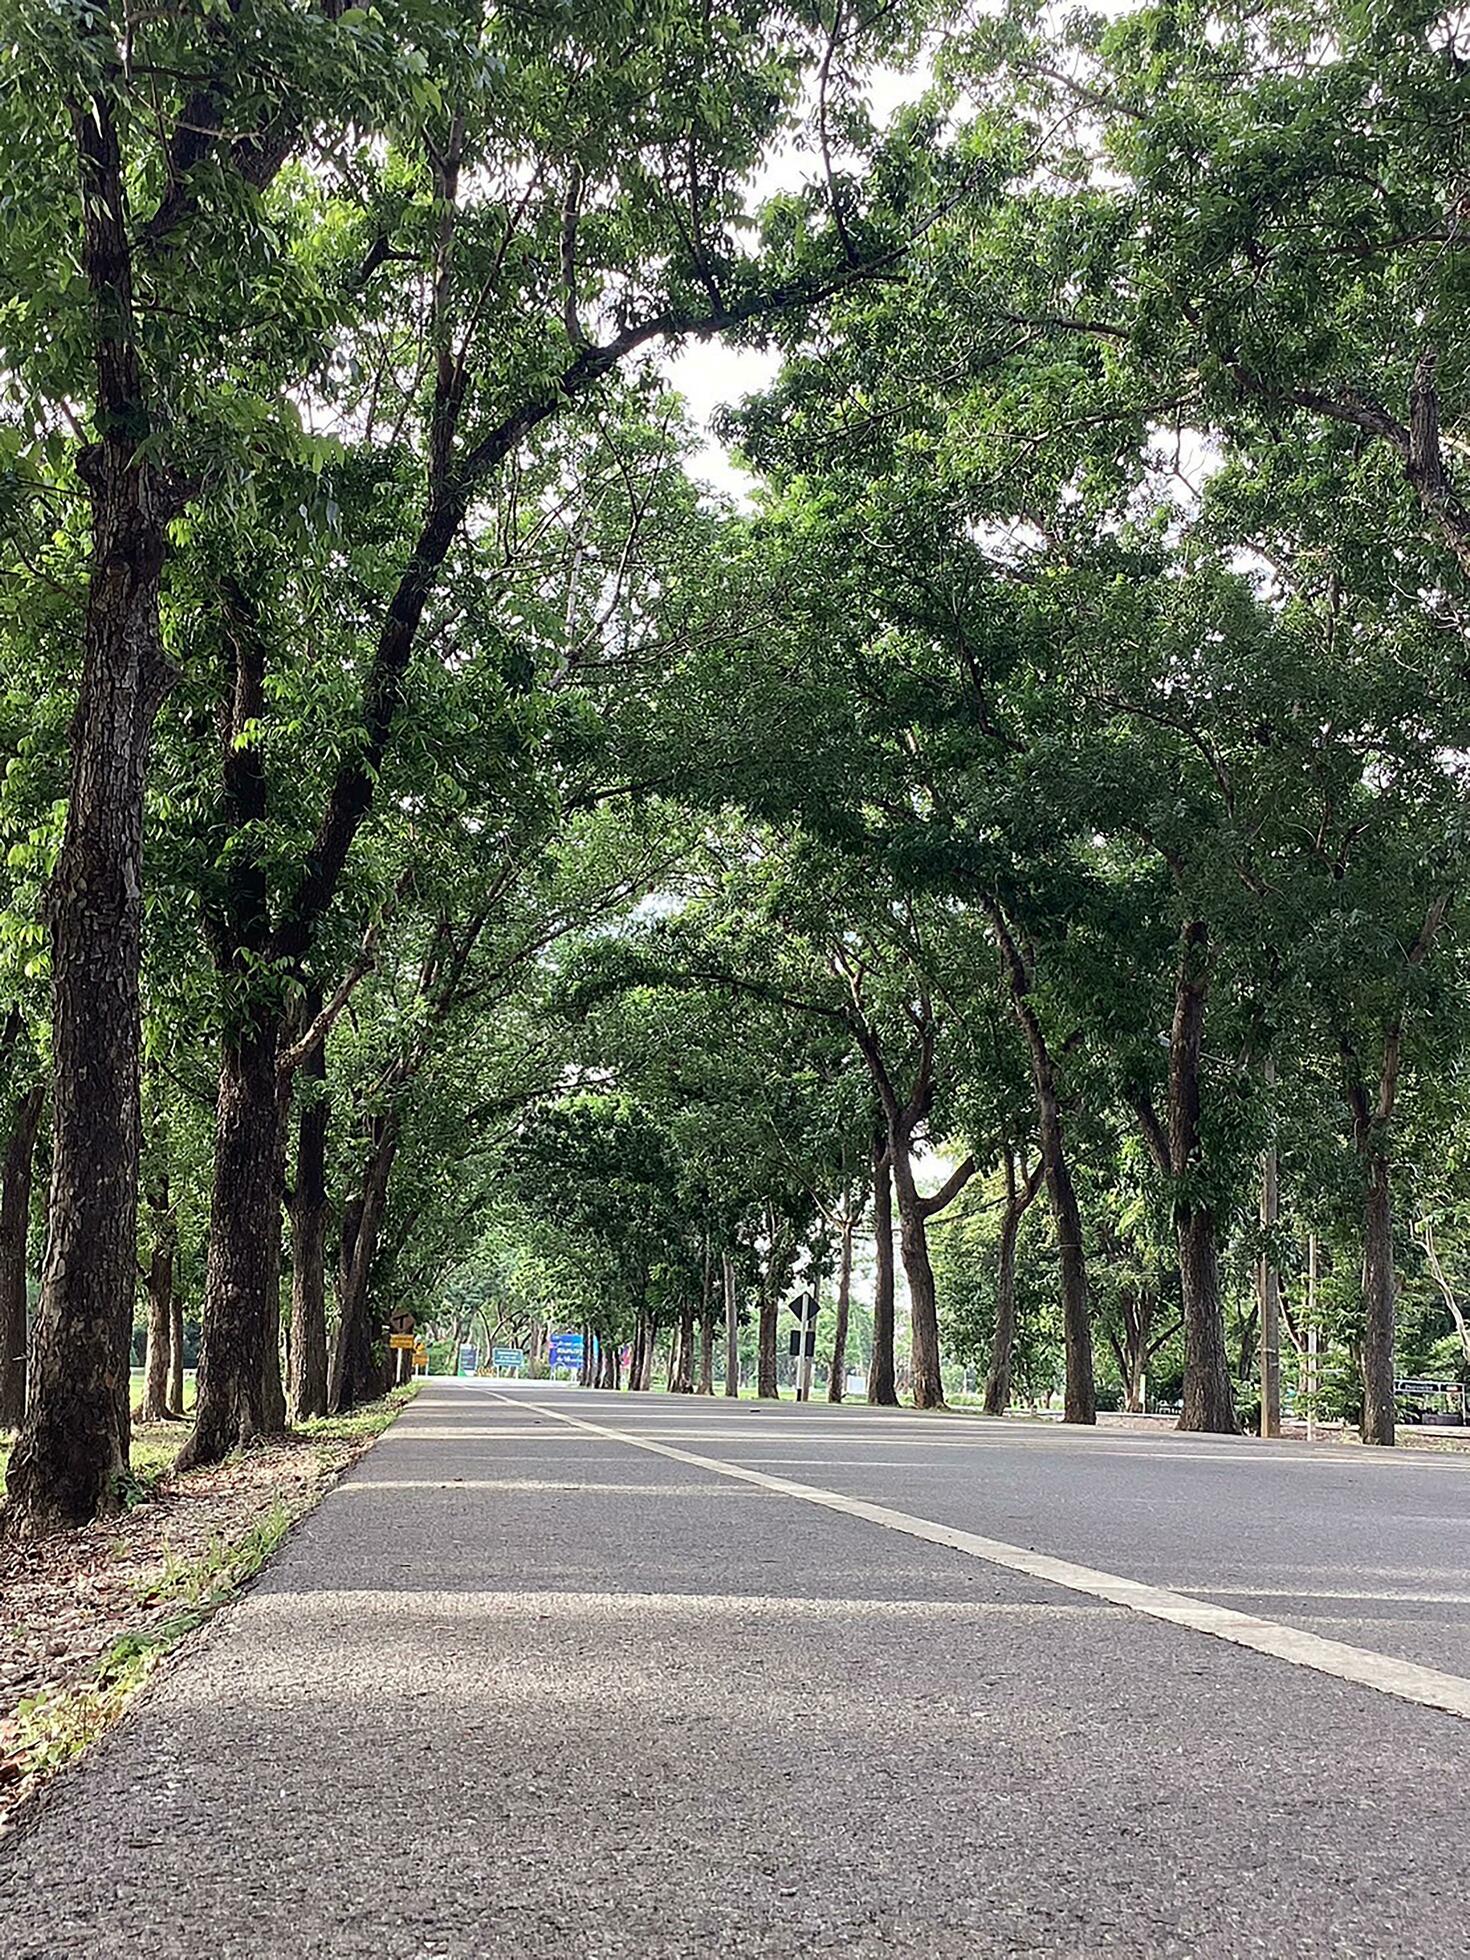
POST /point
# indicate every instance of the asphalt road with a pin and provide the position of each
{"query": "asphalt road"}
(522, 1687)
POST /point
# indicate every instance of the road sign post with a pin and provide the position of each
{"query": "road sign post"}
(804, 1342)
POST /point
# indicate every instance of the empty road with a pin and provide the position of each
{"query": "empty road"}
(555, 1673)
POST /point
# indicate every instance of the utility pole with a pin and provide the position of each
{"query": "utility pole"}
(1269, 1281)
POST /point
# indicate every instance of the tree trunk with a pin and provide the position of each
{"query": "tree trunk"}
(1139, 1320)
(927, 1380)
(650, 1349)
(683, 1382)
(837, 1382)
(162, 1252)
(1209, 1396)
(766, 1383)
(309, 1219)
(272, 1380)
(1379, 1303)
(355, 1373)
(15, 1222)
(1209, 1403)
(732, 1327)
(882, 1388)
(1080, 1398)
(706, 1351)
(241, 1299)
(176, 1349)
(1019, 1196)
(73, 1451)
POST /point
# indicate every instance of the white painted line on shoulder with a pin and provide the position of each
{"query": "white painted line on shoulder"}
(1405, 1680)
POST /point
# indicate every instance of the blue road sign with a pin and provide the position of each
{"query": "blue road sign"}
(565, 1351)
(508, 1360)
(469, 1360)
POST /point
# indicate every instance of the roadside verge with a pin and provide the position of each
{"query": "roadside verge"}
(87, 1618)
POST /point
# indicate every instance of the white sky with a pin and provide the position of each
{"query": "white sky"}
(710, 375)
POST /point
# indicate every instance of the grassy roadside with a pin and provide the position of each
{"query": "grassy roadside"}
(88, 1618)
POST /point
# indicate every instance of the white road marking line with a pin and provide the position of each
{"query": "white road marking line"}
(1405, 1680)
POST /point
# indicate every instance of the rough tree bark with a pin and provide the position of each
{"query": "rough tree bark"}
(767, 1385)
(1020, 1194)
(1080, 1395)
(309, 1220)
(232, 1406)
(73, 1449)
(882, 1384)
(837, 1381)
(15, 1221)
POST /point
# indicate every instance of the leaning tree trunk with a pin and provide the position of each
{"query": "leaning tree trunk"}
(156, 1406)
(1019, 1196)
(1379, 1302)
(309, 1219)
(927, 1380)
(882, 1386)
(15, 1221)
(1080, 1399)
(355, 1374)
(241, 1302)
(69, 1462)
(837, 1382)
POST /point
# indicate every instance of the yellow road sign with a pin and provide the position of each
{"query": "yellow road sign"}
(402, 1341)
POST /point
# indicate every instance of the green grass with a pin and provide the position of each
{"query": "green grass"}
(358, 1424)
